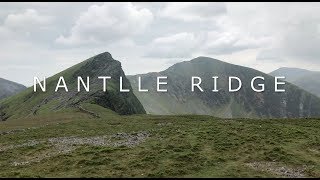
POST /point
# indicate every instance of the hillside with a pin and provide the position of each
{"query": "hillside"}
(76, 144)
(246, 103)
(9, 88)
(305, 79)
(31, 103)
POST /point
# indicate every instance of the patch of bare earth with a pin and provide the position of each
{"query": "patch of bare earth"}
(276, 169)
(64, 145)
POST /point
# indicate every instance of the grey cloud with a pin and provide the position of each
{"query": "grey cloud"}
(67, 33)
(299, 42)
(269, 55)
(180, 45)
(192, 11)
(303, 40)
(225, 49)
(229, 42)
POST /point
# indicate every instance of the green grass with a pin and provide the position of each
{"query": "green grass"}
(178, 146)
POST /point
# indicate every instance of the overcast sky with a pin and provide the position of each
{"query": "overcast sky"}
(41, 39)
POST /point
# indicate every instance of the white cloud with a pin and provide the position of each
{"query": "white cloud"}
(293, 28)
(228, 42)
(226, 39)
(26, 24)
(191, 11)
(29, 18)
(108, 22)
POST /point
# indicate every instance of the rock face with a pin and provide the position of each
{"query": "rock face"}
(29, 102)
(9, 88)
(305, 79)
(245, 103)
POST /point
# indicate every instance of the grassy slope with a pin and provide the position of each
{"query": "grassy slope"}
(27, 102)
(31, 99)
(178, 146)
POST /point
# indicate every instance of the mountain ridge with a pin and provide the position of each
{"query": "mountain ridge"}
(246, 103)
(9, 88)
(305, 79)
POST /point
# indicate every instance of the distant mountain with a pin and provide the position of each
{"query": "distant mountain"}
(32, 103)
(308, 80)
(179, 99)
(9, 88)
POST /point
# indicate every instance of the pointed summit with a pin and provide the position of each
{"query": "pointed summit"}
(105, 55)
(31, 103)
